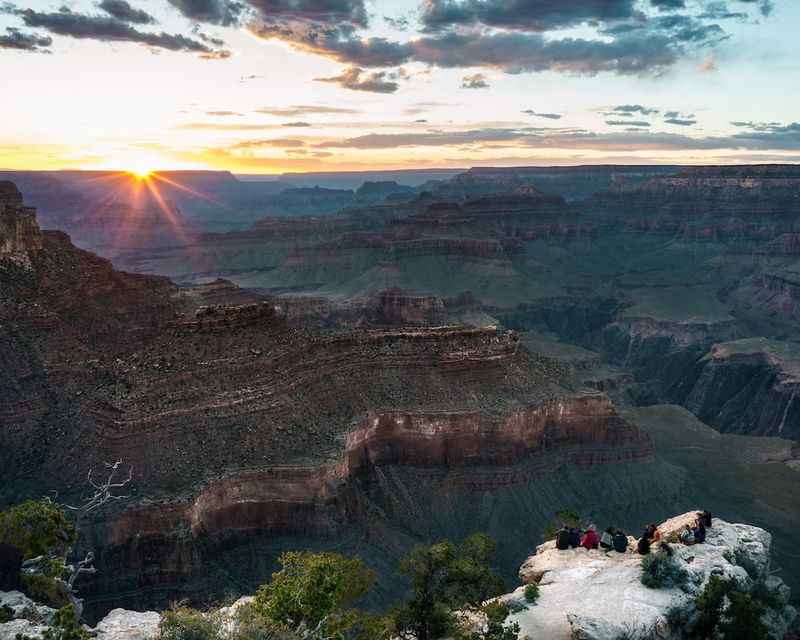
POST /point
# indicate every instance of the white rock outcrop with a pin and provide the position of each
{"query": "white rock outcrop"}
(121, 624)
(598, 595)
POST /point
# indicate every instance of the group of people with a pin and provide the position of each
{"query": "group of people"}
(617, 540)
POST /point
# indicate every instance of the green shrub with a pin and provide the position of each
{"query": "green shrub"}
(570, 518)
(532, 593)
(496, 628)
(727, 612)
(661, 571)
(46, 589)
(65, 627)
(184, 623)
(311, 587)
(249, 625)
(37, 527)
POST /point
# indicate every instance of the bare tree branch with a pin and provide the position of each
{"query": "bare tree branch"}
(103, 491)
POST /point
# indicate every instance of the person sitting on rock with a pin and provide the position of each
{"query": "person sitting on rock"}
(643, 546)
(687, 535)
(699, 531)
(607, 539)
(562, 538)
(705, 516)
(620, 541)
(590, 539)
(574, 537)
(652, 533)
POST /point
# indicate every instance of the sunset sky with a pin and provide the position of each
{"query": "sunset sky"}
(266, 86)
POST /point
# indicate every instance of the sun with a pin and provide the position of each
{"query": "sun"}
(141, 173)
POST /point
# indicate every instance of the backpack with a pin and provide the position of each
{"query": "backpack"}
(643, 547)
(562, 539)
(574, 538)
(621, 543)
(606, 540)
(700, 534)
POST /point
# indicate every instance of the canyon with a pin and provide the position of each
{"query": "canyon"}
(364, 372)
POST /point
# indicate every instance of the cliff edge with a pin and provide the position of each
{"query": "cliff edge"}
(599, 595)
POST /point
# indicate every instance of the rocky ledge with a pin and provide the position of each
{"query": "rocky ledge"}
(32, 619)
(598, 595)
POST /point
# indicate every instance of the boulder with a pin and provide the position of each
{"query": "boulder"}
(121, 624)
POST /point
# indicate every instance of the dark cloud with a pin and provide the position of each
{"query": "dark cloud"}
(630, 109)
(280, 143)
(122, 10)
(519, 52)
(321, 12)
(305, 109)
(16, 39)
(221, 12)
(297, 124)
(777, 137)
(627, 123)
(356, 79)
(549, 116)
(420, 121)
(475, 81)
(681, 122)
(109, 29)
(401, 23)
(525, 15)
(668, 5)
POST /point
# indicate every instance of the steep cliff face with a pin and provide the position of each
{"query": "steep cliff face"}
(19, 231)
(248, 436)
(748, 191)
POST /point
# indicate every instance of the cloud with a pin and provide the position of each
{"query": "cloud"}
(475, 81)
(332, 12)
(280, 143)
(668, 5)
(298, 123)
(16, 39)
(122, 10)
(400, 23)
(356, 79)
(109, 29)
(762, 137)
(220, 12)
(549, 116)
(252, 76)
(438, 15)
(708, 65)
(223, 113)
(630, 109)
(304, 110)
(627, 123)
(681, 122)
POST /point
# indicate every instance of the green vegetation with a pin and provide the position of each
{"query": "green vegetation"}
(531, 593)
(184, 623)
(496, 628)
(727, 612)
(65, 626)
(37, 527)
(569, 518)
(444, 579)
(314, 592)
(660, 571)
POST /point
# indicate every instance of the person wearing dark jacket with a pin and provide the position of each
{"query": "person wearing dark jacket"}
(574, 537)
(562, 538)
(699, 531)
(620, 541)
(643, 546)
(607, 539)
